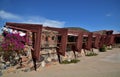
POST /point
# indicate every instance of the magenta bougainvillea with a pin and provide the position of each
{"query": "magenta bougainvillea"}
(13, 42)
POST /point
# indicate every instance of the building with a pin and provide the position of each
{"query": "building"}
(48, 39)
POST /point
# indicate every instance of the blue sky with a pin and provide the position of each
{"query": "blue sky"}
(92, 15)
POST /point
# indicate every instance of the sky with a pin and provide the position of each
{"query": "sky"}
(92, 15)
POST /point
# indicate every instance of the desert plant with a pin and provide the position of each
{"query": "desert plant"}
(102, 49)
(91, 54)
(109, 48)
(68, 62)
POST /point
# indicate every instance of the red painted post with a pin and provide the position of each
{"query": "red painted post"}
(80, 41)
(102, 40)
(38, 42)
(89, 42)
(112, 37)
(34, 28)
(97, 40)
(63, 41)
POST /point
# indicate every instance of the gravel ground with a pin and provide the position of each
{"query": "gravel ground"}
(105, 64)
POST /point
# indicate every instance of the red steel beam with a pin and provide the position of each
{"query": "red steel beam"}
(89, 42)
(35, 28)
(80, 41)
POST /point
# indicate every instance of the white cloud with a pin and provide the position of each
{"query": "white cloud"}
(116, 32)
(53, 23)
(7, 15)
(30, 19)
(46, 22)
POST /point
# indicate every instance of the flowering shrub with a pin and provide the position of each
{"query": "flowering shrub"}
(13, 42)
(11, 45)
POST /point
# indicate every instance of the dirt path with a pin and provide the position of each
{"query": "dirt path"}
(106, 64)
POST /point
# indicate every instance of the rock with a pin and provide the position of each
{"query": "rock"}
(49, 59)
(11, 69)
(41, 58)
(69, 60)
(55, 57)
(1, 73)
(24, 59)
(26, 70)
(48, 64)
(55, 63)
(82, 53)
(2, 66)
(43, 63)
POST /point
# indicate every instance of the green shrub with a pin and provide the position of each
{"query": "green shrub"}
(91, 54)
(68, 62)
(109, 48)
(102, 49)
(74, 61)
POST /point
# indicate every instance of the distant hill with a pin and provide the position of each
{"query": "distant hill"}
(77, 28)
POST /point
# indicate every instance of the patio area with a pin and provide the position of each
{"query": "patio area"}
(106, 64)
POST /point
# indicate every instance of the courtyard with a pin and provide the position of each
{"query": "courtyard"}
(105, 64)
